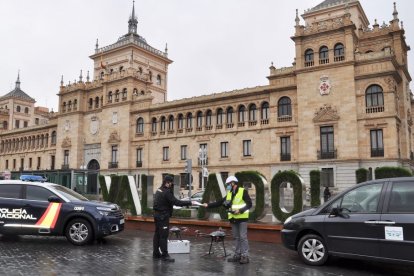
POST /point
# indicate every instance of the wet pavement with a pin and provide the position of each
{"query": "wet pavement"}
(130, 253)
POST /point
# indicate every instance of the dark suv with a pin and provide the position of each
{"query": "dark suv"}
(34, 208)
(372, 220)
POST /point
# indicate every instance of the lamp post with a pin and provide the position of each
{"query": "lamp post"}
(202, 155)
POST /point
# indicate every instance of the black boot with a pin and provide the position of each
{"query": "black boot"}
(167, 259)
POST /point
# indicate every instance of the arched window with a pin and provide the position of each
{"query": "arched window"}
(284, 107)
(70, 105)
(180, 121)
(102, 74)
(75, 104)
(150, 75)
(159, 79)
(96, 102)
(90, 103)
(374, 99)
(242, 111)
(163, 123)
(252, 113)
(323, 55)
(171, 122)
(26, 110)
(121, 68)
(135, 92)
(124, 93)
(199, 119)
(140, 70)
(18, 108)
(64, 106)
(309, 58)
(140, 126)
(154, 125)
(189, 123)
(110, 97)
(339, 53)
(229, 116)
(116, 95)
(53, 138)
(209, 114)
(264, 111)
(220, 116)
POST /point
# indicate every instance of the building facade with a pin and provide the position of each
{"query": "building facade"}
(345, 104)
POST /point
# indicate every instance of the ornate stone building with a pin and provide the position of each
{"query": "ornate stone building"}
(345, 104)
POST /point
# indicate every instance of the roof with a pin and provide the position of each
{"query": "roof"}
(329, 3)
(19, 94)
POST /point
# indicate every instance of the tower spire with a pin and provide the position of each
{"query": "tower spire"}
(18, 80)
(395, 13)
(132, 22)
(297, 18)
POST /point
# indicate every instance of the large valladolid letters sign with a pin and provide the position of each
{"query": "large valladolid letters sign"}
(122, 190)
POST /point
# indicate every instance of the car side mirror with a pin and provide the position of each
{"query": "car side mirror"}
(338, 212)
(54, 199)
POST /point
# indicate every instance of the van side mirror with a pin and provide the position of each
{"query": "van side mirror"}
(54, 199)
(338, 212)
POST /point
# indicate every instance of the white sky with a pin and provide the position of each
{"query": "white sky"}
(216, 45)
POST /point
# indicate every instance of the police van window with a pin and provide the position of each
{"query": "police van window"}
(363, 199)
(37, 193)
(402, 198)
(10, 191)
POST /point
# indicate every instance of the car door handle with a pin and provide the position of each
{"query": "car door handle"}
(371, 221)
(386, 222)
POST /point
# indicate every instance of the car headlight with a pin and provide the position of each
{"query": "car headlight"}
(104, 211)
(287, 220)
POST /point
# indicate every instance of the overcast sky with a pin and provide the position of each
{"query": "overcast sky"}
(216, 45)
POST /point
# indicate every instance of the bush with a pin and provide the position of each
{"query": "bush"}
(389, 172)
(315, 188)
(361, 175)
(254, 178)
(212, 187)
(146, 211)
(292, 178)
(104, 189)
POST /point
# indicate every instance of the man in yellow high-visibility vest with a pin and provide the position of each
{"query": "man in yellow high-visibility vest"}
(238, 203)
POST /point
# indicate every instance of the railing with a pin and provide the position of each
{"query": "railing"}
(327, 154)
(189, 129)
(206, 162)
(324, 61)
(230, 125)
(252, 123)
(377, 152)
(264, 122)
(240, 124)
(309, 63)
(339, 58)
(139, 164)
(199, 128)
(375, 109)
(285, 157)
(220, 126)
(209, 127)
(112, 165)
(284, 118)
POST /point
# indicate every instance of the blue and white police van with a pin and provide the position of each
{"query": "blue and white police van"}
(42, 208)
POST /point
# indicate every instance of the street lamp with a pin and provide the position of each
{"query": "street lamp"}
(202, 155)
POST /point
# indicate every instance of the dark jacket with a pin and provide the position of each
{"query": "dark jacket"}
(246, 199)
(164, 200)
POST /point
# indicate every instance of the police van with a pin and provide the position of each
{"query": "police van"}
(35, 208)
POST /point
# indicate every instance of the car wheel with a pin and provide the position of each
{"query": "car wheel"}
(79, 232)
(312, 250)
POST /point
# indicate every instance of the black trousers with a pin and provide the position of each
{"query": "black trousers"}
(162, 230)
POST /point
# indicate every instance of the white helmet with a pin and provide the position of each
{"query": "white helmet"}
(231, 179)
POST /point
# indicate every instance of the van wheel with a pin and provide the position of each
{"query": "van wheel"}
(79, 231)
(312, 250)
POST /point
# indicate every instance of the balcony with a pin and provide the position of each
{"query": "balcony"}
(377, 152)
(285, 157)
(65, 167)
(264, 122)
(206, 162)
(375, 109)
(112, 165)
(284, 118)
(327, 154)
(139, 164)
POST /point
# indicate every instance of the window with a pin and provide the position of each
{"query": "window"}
(284, 107)
(165, 153)
(377, 146)
(159, 79)
(39, 162)
(220, 115)
(309, 58)
(66, 157)
(139, 157)
(189, 123)
(285, 149)
(183, 152)
(323, 55)
(265, 111)
(180, 121)
(208, 118)
(124, 93)
(10, 191)
(163, 123)
(114, 154)
(17, 123)
(171, 122)
(18, 108)
(53, 138)
(224, 149)
(38, 193)
(199, 120)
(140, 126)
(25, 123)
(252, 113)
(154, 125)
(402, 198)
(374, 99)
(7, 164)
(229, 115)
(242, 111)
(90, 103)
(339, 53)
(26, 110)
(327, 177)
(14, 164)
(96, 102)
(30, 163)
(247, 147)
(327, 143)
(52, 162)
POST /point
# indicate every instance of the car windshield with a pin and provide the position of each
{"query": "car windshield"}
(69, 194)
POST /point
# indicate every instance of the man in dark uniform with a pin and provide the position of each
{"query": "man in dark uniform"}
(164, 200)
